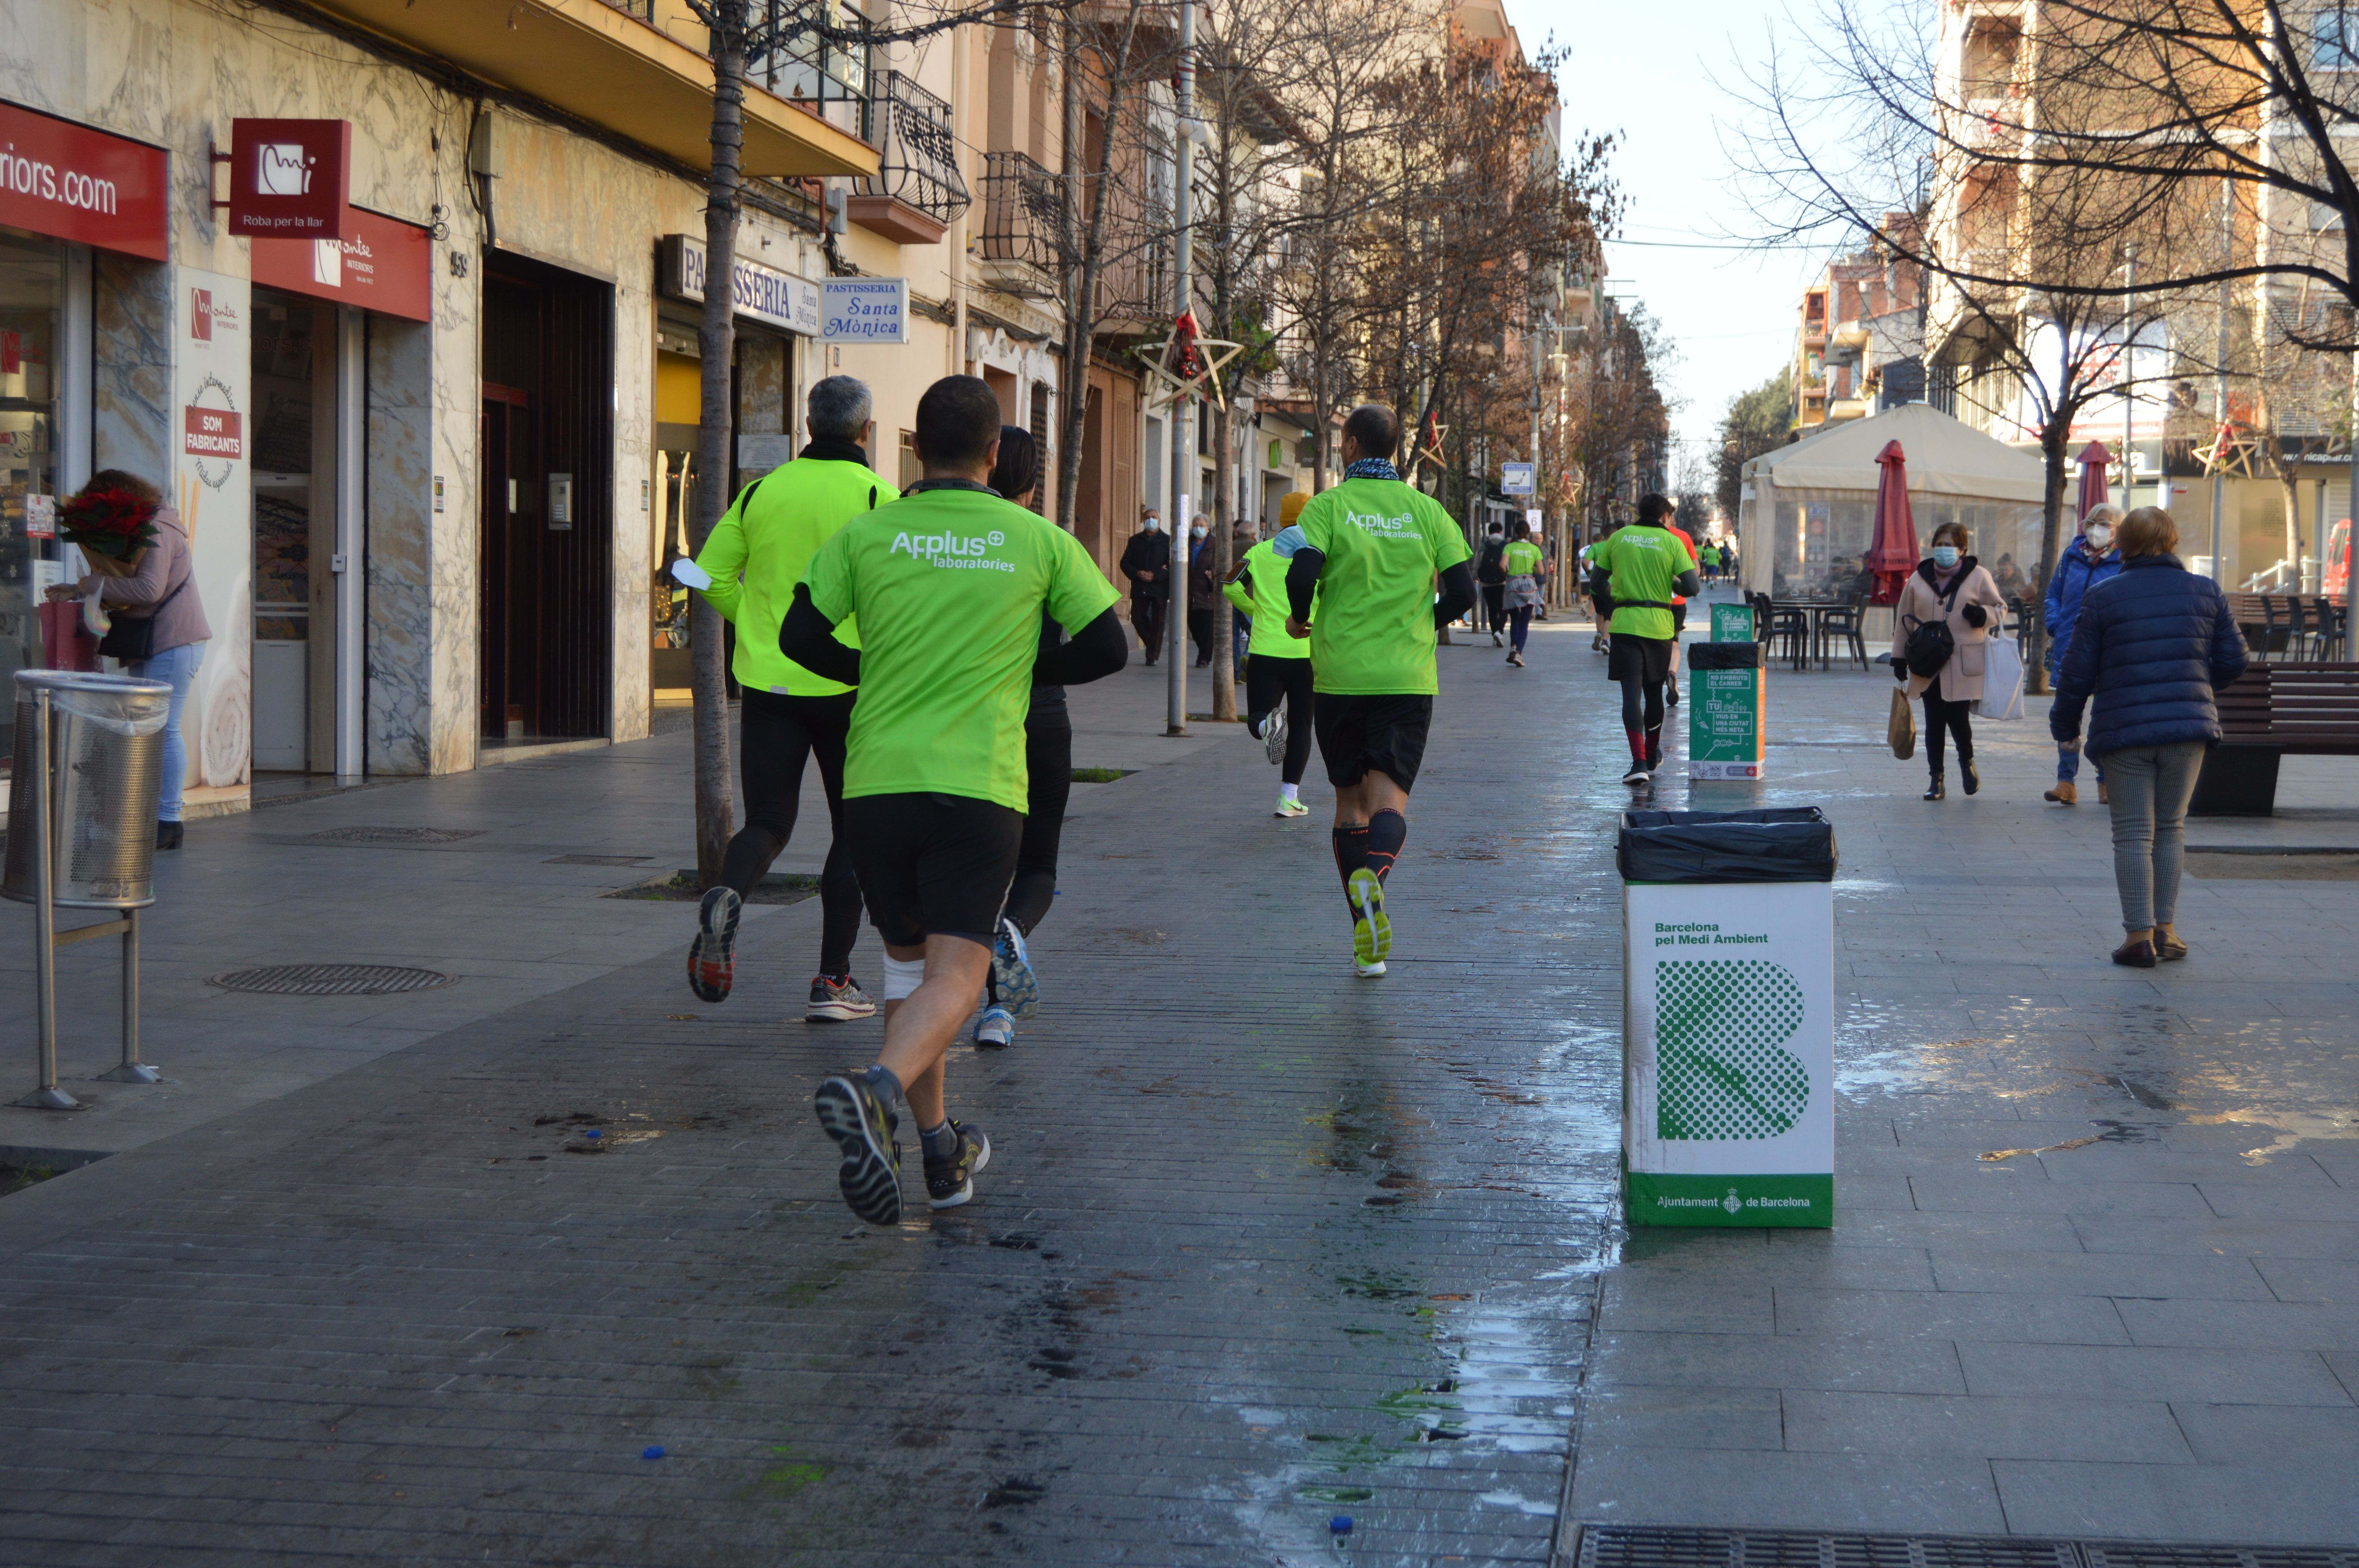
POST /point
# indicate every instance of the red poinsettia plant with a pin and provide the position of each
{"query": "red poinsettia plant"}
(110, 522)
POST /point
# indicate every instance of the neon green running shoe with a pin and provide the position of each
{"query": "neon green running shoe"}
(1372, 933)
(1289, 806)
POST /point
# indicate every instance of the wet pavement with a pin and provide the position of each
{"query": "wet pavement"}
(1260, 1245)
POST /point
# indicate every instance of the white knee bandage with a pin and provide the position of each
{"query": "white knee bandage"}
(902, 976)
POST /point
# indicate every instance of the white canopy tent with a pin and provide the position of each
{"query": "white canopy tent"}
(1807, 512)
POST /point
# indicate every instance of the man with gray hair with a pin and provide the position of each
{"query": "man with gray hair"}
(747, 571)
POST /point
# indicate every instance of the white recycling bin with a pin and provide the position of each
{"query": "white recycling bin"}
(1728, 1017)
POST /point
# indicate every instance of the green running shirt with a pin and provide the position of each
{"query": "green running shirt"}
(1521, 558)
(1645, 563)
(948, 586)
(770, 534)
(1261, 594)
(1384, 541)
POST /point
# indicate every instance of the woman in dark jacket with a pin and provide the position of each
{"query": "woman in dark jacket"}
(2086, 562)
(2151, 646)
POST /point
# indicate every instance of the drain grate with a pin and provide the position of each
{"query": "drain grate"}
(331, 979)
(394, 835)
(1615, 1546)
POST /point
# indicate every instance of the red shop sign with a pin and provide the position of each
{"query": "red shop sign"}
(289, 178)
(381, 264)
(212, 432)
(74, 183)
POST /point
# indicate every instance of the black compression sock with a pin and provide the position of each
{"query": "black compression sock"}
(1351, 845)
(1387, 831)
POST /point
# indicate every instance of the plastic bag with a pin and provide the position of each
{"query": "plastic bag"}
(1786, 844)
(2002, 697)
(1902, 729)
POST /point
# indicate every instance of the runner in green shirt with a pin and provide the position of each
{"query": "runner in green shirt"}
(1521, 561)
(948, 583)
(1278, 698)
(747, 571)
(1637, 568)
(1371, 548)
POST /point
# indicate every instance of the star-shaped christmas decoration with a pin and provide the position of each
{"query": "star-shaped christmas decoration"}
(2232, 451)
(1186, 364)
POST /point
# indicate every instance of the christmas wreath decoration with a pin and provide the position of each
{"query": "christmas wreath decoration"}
(108, 522)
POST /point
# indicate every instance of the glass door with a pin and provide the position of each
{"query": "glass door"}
(32, 286)
(284, 500)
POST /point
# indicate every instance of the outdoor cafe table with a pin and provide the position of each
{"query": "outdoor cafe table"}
(1815, 612)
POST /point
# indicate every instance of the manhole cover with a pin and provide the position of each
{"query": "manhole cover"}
(331, 979)
(394, 835)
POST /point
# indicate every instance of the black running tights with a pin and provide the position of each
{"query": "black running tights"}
(1267, 682)
(1048, 758)
(1954, 717)
(1642, 704)
(778, 732)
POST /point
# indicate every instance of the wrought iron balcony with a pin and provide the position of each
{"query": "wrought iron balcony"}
(1023, 218)
(916, 192)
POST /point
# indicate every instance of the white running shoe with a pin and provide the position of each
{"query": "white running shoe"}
(1289, 806)
(1273, 740)
(1369, 971)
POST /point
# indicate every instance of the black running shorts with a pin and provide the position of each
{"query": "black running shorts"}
(932, 865)
(1358, 735)
(1632, 657)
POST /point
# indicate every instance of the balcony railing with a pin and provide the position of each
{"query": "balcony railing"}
(826, 77)
(916, 191)
(1023, 213)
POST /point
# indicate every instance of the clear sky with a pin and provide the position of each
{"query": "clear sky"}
(1647, 70)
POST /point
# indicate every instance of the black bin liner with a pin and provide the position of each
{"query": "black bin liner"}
(1789, 844)
(1724, 656)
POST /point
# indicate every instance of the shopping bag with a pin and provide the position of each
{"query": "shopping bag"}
(65, 645)
(2002, 697)
(1902, 731)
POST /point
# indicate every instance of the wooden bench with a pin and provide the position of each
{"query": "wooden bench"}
(2307, 710)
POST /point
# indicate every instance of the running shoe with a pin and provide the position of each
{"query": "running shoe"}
(862, 1127)
(1372, 933)
(1516, 660)
(995, 1029)
(837, 999)
(1289, 806)
(1368, 971)
(1637, 774)
(713, 957)
(1672, 691)
(1011, 973)
(1273, 740)
(949, 1183)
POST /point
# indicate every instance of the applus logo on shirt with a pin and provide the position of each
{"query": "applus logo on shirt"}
(953, 551)
(1370, 523)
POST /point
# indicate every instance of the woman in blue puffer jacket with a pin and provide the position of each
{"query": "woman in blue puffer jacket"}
(2151, 646)
(2087, 561)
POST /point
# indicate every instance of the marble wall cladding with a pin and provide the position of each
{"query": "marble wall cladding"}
(761, 384)
(400, 633)
(454, 697)
(131, 365)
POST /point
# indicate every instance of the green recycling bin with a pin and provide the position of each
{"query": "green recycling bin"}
(1726, 702)
(1728, 1017)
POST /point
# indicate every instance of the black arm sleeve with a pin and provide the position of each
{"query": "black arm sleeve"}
(1458, 594)
(809, 638)
(1097, 649)
(1691, 583)
(1301, 578)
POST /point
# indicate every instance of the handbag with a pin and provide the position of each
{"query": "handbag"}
(131, 639)
(1930, 642)
(2002, 697)
(1902, 729)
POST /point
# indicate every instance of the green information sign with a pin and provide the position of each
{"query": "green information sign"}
(1731, 624)
(1725, 701)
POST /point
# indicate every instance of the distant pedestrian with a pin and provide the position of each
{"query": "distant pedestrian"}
(1241, 539)
(1491, 576)
(1279, 697)
(1546, 575)
(2151, 646)
(1201, 594)
(1146, 567)
(1521, 561)
(2086, 562)
(1950, 590)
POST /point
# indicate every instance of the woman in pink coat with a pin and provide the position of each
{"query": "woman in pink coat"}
(1949, 586)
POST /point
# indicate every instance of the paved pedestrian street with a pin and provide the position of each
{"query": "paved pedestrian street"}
(548, 1267)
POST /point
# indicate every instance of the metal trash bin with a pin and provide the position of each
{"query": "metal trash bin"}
(82, 834)
(1728, 1017)
(104, 777)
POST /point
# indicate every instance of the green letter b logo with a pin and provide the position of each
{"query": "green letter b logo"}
(1721, 1071)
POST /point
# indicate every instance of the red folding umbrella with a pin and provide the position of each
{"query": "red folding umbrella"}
(1893, 554)
(2094, 492)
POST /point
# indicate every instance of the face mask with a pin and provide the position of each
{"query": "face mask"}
(2100, 538)
(1197, 532)
(1945, 555)
(1154, 524)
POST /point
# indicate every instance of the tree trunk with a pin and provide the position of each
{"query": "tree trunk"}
(1319, 374)
(1225, 642)
(717, 342)
(2051, 547)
